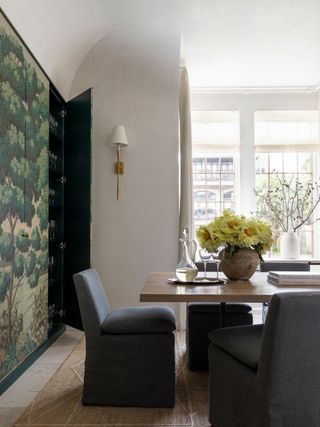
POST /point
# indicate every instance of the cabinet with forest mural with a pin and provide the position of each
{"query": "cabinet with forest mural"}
(24, 129)
(38, 145)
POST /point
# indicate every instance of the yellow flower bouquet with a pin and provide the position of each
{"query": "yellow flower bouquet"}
(232, 232)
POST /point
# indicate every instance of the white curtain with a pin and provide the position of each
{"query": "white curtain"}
(186, 207)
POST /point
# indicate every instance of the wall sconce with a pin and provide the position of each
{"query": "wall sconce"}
(118, 140)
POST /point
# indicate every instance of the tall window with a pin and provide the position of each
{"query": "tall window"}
(215, 139)
(287, 144)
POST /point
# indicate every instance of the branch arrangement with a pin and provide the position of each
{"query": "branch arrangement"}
(290, 203)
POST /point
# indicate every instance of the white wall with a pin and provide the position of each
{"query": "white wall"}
(246, 104)
(135, 83)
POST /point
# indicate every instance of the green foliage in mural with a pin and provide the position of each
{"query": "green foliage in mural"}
(4, 285)
(24, 110)
(35, 239)
(40, 307)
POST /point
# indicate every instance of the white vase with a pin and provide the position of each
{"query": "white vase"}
(289, 245)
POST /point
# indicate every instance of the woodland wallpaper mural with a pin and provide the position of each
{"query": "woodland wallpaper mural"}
(24, 135)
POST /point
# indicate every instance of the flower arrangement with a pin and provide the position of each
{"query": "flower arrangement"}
(233, 232)
(289, 203)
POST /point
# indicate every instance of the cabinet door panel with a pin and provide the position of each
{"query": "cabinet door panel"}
(36, 189)
(77, 162)
(56, 211)
(23, 165)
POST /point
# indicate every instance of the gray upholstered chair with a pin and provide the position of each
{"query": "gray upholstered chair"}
(201, 318)
(130, 358)
(269, 375)
(281, 266)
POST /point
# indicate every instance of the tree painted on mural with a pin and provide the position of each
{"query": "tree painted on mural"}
(23, 193)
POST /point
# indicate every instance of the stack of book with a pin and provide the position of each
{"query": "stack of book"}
(294, 278)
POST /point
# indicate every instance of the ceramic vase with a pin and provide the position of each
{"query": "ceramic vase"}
(289, 245)
(241, 265)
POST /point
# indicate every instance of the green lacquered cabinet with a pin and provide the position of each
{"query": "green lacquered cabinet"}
(69, 204)
(77, 215)
(45, 178)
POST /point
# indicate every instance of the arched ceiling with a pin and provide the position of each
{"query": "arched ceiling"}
(226, 43)
(60, 33)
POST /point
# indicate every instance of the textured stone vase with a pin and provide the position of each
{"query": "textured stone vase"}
(241, 265)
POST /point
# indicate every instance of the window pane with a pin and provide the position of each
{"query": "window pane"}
(198, 165)
(212, 210)
(228, 196)
(213, 165)
(213, 177)
(261, 163)
(226, 177)
(290, 162)
(228, 205)
(211, 195)
(262, 182)
(227, 164)
(305, 162)
(198, 195)
(275, 160)
(306, 241)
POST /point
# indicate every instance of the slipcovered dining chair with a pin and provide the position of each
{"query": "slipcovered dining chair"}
(268, 375)
(202, 317)
(130, 358)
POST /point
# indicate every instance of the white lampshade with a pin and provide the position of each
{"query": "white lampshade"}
(118, 137)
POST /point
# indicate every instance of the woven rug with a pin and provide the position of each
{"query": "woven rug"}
(59, 402)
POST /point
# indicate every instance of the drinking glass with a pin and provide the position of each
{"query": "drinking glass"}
(205, 257)
(215, 256)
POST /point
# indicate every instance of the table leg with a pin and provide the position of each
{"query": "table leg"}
(222, 314)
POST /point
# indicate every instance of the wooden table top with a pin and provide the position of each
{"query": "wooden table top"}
(257, 289)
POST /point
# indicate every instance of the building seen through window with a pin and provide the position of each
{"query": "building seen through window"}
(213, 188)
(215, 136)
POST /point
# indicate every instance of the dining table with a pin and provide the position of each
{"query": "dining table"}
(257, 289)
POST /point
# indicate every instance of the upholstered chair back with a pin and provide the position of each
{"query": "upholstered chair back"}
(92, 299)
(289, 365)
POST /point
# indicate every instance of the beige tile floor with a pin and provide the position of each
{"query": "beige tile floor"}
(21, 393)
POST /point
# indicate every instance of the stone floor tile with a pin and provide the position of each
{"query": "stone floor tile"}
(9, 415)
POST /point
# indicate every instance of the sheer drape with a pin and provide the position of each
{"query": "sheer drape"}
(186, 207)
